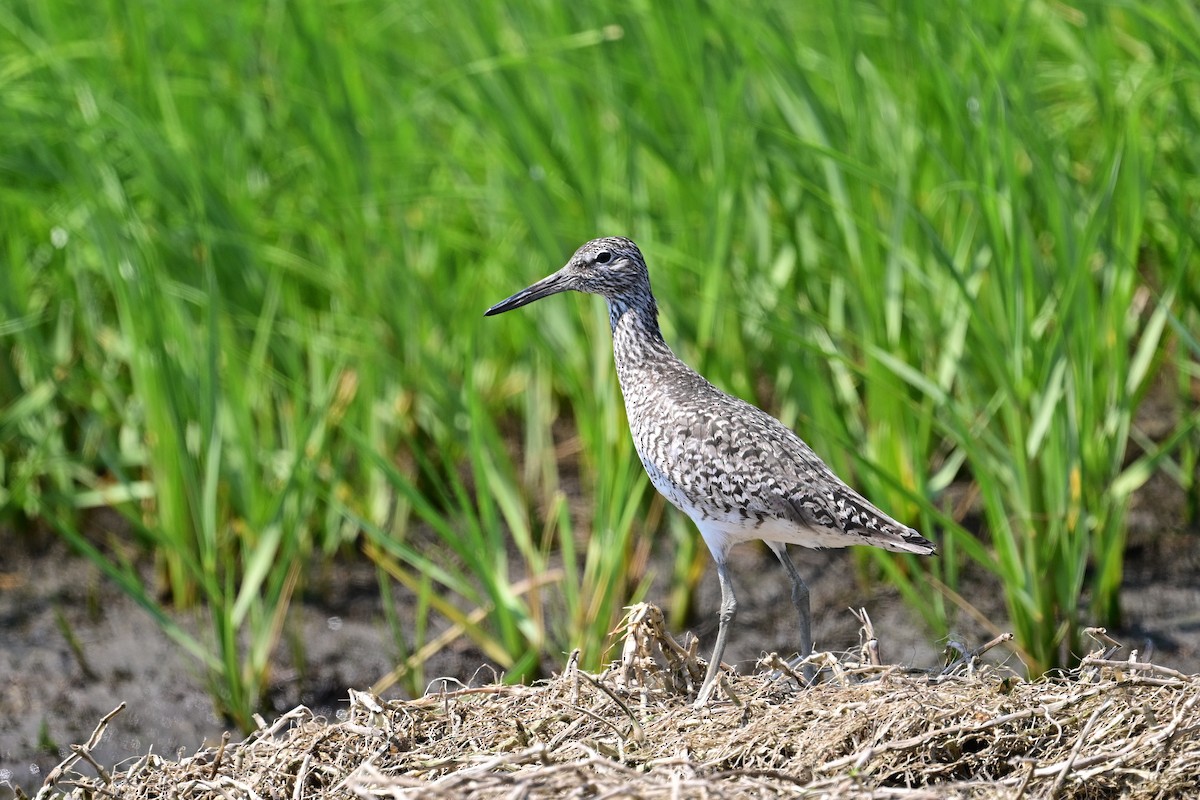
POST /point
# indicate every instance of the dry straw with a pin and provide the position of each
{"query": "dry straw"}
(1110, 729)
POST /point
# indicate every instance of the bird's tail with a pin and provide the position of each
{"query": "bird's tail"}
(901, 539)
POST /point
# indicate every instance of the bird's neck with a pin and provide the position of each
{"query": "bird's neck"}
(637, 340)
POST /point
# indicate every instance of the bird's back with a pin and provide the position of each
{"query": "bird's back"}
(740, 473)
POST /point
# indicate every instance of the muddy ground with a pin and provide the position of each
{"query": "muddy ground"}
(50, 697)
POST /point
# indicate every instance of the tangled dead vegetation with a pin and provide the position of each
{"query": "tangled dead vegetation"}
(1113, 728)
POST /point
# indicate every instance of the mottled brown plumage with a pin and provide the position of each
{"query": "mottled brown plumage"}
(738, 472)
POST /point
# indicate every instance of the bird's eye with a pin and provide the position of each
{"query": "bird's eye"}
(603, 257)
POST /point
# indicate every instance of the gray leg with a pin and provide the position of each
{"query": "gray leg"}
(728, 612)
(800, 602)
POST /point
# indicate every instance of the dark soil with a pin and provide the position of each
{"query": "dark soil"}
(51, 697)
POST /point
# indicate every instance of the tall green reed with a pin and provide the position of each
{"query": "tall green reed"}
(991, 296)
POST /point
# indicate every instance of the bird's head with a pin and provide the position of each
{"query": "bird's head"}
(612, 267)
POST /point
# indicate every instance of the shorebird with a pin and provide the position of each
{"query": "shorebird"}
(738, 472)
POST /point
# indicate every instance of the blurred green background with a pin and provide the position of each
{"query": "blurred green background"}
(245, 249)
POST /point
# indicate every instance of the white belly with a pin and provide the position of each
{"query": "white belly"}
(722, 530)
(720, 535)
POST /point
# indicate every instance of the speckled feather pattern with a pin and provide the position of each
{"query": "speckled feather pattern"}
(735, 470)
